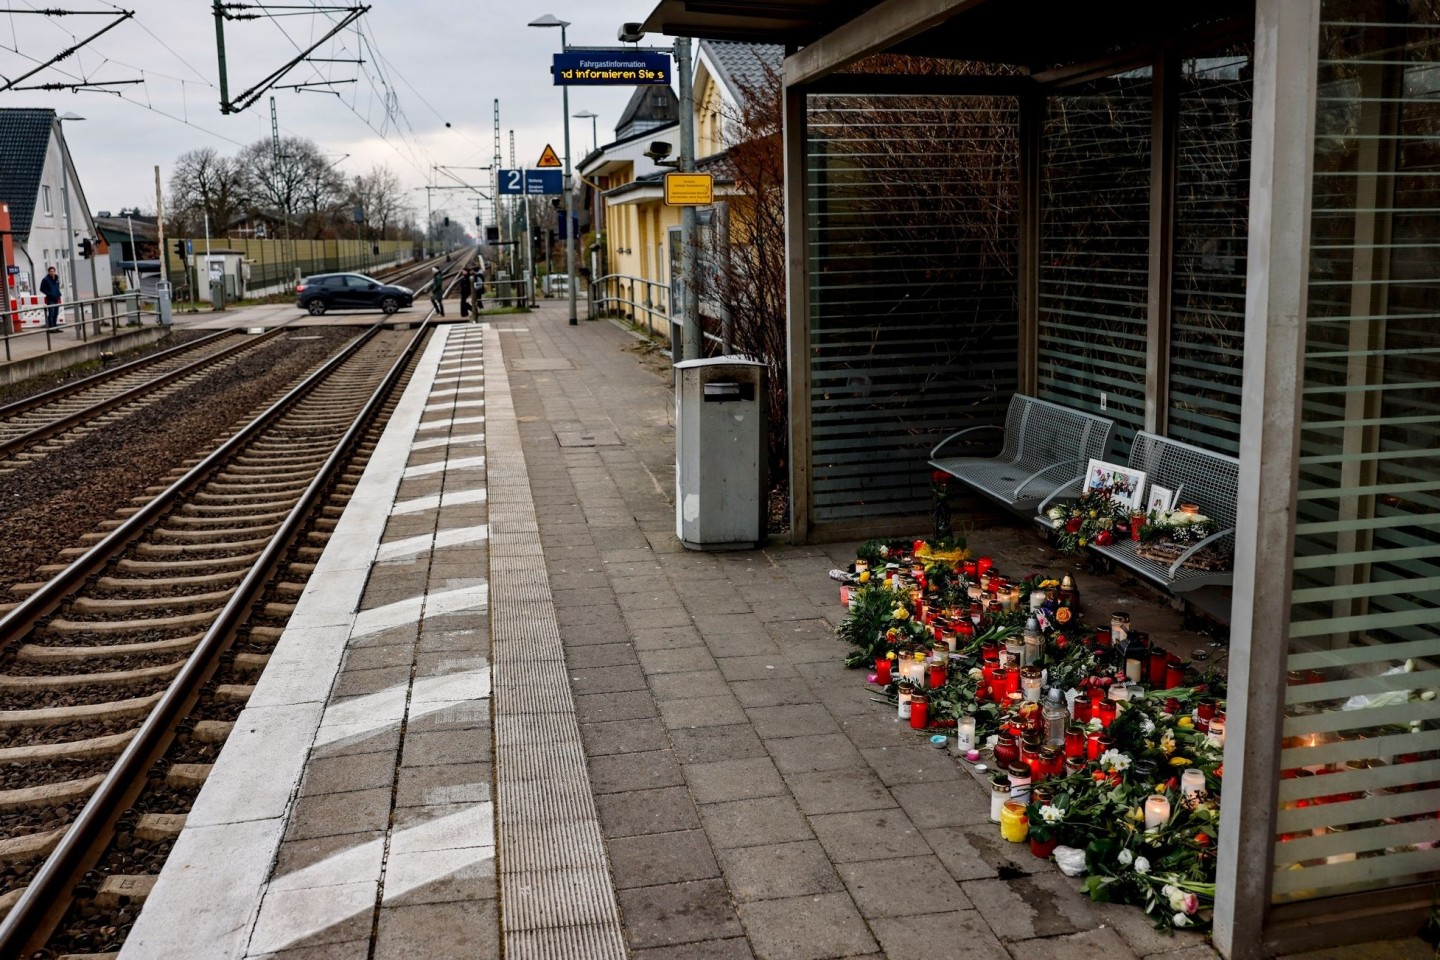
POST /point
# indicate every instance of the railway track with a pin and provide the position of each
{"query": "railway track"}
(106, 658)
(121, 677)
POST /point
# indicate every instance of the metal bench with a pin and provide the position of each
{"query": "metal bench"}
(1046, 447)
(1197, 476)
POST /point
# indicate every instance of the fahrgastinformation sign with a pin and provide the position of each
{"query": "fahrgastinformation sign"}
(689, 189)
(597, 68)
(516, 183)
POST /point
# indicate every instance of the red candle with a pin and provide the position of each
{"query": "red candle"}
(1083, 708)
(964, 630)
(917, 546)
(1105, 710)
(882, 670)
(1174, 672)
(971, 569)
(1204, 713)
(1012, 683)
(1103, 638)
(918, 708)
(1096, 744)
(937, 676)
(991, 686)
(983, 565)
(1074, 741)
(989, 652)
(1137, 523)
(1155, 668)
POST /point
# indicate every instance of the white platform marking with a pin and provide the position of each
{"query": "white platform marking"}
(429, 469)
(445, 424)
(412, 546)
(456, 405)
(448, 441)
(437, 500)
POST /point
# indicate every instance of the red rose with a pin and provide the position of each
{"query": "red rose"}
(1104, 538)
(1062, 643)
(939, 477)
(1073, 524)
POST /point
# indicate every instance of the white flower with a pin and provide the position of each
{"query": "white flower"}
(1179, 519)
(1057, 523)
(1126, 857)
(1114, 761)
(1094, 724)
(976, 673)
(1180, 920)
(1174, 895)
(991, 740)
(1199, 518)
(1147, 726)
(1427, 694)
(1055, 513)
(1142, 865)
(1051, 814)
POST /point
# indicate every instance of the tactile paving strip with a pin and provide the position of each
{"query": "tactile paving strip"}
(557, 901)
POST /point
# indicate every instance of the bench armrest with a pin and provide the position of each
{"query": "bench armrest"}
(1180, 561)
(1064, 489)
(1044, 470)
(961, 433)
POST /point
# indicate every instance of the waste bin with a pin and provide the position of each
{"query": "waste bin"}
(720, 453)
(162, 302)
(217, 294)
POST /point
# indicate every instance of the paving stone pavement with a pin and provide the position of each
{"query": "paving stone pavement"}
(753, 801)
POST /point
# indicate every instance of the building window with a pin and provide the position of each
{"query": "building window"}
(45, 198)
(661, 100)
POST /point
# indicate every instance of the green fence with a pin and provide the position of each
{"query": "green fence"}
(274, 263)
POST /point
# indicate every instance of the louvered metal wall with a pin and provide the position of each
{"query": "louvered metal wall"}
(1212, 205)
(1367, 549)
(1094, 250)
(913, 329)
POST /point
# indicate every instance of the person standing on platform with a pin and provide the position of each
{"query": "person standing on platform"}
(465, 286)
(479, 288)
(50, 288)
(437, 292)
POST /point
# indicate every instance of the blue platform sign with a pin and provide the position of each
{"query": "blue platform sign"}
(599, 68)
(516, 183)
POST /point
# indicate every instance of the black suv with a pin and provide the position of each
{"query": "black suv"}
(349, 291)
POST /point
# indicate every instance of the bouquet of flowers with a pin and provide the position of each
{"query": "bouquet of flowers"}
(1085, 520)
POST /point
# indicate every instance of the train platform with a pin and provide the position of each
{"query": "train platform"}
(512, 716)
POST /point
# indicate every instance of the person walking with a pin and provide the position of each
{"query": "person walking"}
(50, 288)
(479, 288)
(465, 286)
(437, 292)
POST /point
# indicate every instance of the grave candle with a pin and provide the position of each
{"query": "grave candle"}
(1157, 812)
(964, 734)
(1192, 784)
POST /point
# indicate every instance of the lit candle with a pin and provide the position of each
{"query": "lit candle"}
(1119, 692)
(1216, 734)
(1037, 599)
(1030, 683)
(964, 734)
(1157, 812)
(983, 565)
(1192, 784)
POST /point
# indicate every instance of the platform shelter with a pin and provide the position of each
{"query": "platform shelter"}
(1217, 222)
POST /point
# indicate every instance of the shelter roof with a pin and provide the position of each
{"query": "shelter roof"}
(742, 66)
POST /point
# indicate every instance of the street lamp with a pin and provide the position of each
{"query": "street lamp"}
(550, 20)
(65, 174)
(590, 115)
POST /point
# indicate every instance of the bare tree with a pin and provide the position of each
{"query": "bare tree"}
(298, 185)
(386, 205)
(204, 183)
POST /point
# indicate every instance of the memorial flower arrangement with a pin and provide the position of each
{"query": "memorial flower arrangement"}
(1128, 790)
(1089, 518)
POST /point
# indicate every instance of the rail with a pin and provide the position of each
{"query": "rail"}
(114, 312)
(44, 900)
(616, 293)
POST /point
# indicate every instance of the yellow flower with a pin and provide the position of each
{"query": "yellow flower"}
(1137, 814)
(900, 613)
(890, 655)
(1185, 722)
(865, 577)
(1179, 761)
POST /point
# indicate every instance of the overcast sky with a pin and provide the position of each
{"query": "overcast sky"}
(444, 61)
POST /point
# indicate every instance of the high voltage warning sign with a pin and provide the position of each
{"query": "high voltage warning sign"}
(591, 68)
(548, 158)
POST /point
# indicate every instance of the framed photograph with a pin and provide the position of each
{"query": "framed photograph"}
(1161, 500)
(1125, 487)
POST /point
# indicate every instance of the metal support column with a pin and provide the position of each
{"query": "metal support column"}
(693, 343)
(1164, 120)
(1278, 269)
(795, 144)
(1031, 136)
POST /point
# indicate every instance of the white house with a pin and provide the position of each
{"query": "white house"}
(33, 181)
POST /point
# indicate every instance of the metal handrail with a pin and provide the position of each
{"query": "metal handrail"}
(617, 290)
(131, 315)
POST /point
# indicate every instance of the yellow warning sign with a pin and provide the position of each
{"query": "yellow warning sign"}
(548, 158)
(689, 189)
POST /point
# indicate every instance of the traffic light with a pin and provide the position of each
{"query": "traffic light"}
(477, 220)
(447, 221)
(86, 248)
(180, 250)
(492, 234)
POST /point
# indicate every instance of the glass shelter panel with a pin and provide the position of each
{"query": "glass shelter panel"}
(1094, 250)
(1360, 794)
(1212, 201)
(913, 237)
